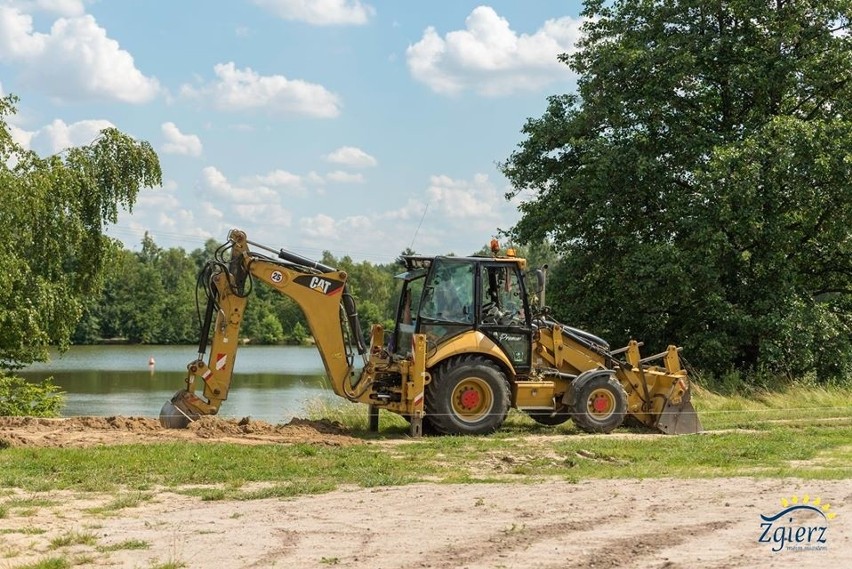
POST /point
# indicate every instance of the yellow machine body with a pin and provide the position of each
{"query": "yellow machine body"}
(455, 372)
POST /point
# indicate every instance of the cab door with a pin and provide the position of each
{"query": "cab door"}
(448, 305)
(503, 312)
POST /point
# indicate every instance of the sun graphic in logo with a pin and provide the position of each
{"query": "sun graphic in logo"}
(806, 502)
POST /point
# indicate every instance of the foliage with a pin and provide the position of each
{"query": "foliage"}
(299, 334)
(19, 398)
(52, 214)
(269, 330)
(150, 296)
(698, 184)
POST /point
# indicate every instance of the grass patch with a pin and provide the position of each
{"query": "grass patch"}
(127, 545)
(801, 432)
(49, 563)
(219, 470)
(352, 415)
(71, 538)
(287, 490)
(761, 409)
(125, 500)
(186, 463)
(29, 530)
(29, 502)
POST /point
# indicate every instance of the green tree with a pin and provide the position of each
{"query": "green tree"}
(134, 300)
(52, 215)
(201, 256)
(270, 330)
(177, 273)
(698, 183)
(300, 334)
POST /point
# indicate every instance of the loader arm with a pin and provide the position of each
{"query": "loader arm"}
(319, 290)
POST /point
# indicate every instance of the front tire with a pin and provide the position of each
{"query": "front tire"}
(467, 396)
(600, 405)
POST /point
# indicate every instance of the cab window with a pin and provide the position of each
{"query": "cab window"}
(449, 294)
(502, 303)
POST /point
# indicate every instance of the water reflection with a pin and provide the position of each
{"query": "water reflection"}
(271, 383)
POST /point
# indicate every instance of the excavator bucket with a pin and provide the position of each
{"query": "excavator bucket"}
(175, 413)
(680, 419)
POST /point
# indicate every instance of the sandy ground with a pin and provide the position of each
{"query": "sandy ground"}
(596, 524)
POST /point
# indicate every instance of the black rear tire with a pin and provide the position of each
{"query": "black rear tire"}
(600, 405)
(468, 395)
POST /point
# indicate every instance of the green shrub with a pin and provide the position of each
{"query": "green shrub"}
(20, 398)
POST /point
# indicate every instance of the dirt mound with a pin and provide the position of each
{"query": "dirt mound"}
(92, 431)
(296, 431)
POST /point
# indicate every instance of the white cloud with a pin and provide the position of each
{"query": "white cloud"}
(351, 156)
(58, 136)
(413, 209)
(266, 214)
(478, 199)
(20, 136)
(281, 181)
(59, 7)
(162, 200)
(244, 89)
(459, 215)
(320, 226)
(320, 12)
(210, 211)
(323, 232)
(279, 178)
(216, 182)
(490, 58)
(178, 142)
(249, 203)
(314, 179)
(74, 61)
(344, 177)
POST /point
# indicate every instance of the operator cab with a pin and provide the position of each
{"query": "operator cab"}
(443, 297)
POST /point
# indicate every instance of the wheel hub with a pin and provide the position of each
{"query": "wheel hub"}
(601, 403)
(470, 398)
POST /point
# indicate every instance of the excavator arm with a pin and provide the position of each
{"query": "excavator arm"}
(319, 290)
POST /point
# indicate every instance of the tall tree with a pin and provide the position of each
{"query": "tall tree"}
(52, 215)
(698, 183)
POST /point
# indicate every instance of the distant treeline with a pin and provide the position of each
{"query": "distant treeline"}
(150, 297)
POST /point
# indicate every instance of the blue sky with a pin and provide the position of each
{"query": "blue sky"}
(311, 124)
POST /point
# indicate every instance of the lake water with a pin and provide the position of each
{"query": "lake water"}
(271, 383)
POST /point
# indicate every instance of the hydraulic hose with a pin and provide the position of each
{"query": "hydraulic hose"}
(205, 326)
(354, 321)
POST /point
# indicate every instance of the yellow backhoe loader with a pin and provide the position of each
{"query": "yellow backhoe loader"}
(467, 345)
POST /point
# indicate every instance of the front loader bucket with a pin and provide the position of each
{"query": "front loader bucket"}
(679, 419)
